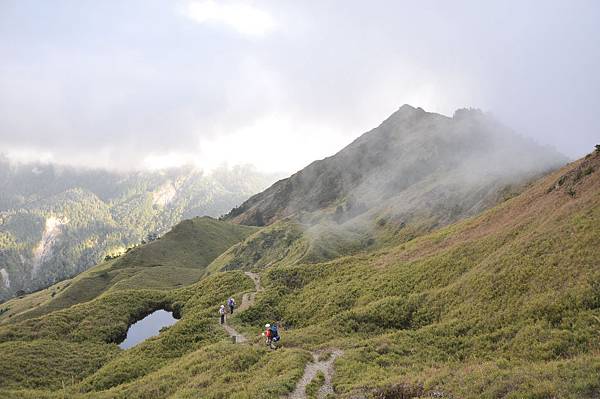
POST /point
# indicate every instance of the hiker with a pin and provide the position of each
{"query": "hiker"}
(274, 333)
(222, 313)
(231, 303)
(267, 334)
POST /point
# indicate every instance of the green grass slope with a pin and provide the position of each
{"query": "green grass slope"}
(502, 305)
(294, 241)
(282, 242)
(192, 243)
(177, 259)
(192, 358)
(506, 304)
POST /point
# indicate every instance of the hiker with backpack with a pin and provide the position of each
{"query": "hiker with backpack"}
(272, 335)
(222, 313)
(267, 334)
(231, 304)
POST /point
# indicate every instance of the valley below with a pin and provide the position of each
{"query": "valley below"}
(57, 221)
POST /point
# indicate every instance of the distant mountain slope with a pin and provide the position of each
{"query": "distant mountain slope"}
(56, 222)
(416, 164)
(177, 259)
(505, 304)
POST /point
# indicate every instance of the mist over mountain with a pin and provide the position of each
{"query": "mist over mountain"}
(57, 221)
(415, 165)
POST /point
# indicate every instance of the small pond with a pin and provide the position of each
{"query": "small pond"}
(148, 327)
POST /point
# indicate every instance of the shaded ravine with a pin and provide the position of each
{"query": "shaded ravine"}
(311, 370)
(247, 301)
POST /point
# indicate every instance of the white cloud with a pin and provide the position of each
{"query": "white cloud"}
(244, 18)
(167, 160)
(274, 143)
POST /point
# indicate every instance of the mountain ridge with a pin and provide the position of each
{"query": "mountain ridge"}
(405, 150)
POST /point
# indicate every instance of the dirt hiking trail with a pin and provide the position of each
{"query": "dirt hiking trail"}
(311, 370)
(248, 297)
(247, 301)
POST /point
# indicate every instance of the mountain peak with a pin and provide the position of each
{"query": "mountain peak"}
(405, 112)
(407, 107)
(414, 157)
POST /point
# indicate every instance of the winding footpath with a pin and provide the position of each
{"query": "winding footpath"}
(248, 298)
(247, 301)
(311, 369)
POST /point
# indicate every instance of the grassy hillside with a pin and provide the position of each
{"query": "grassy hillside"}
(282, 242)
(191, 358)
(503, 305)
(179, 258)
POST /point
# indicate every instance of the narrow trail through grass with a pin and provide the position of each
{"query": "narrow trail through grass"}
(247, 301)
(319, 363)
(248, 298)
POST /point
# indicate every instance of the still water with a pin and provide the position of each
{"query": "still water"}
(148, 327)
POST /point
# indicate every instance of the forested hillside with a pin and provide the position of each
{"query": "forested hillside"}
(56, 222)
(177, 259)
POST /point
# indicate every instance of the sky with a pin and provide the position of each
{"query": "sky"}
(278, 84)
